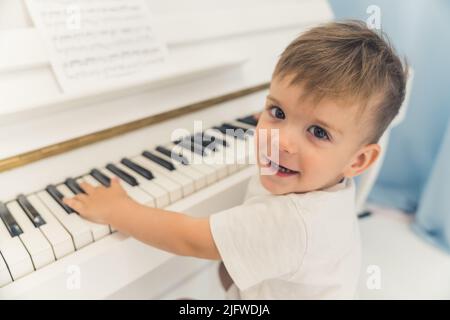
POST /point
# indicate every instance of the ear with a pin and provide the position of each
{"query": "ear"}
(363, 159)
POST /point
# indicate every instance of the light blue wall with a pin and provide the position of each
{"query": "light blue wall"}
(420, 30)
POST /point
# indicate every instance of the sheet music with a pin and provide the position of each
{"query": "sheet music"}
(95, 44)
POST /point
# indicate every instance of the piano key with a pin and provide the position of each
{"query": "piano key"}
(207, 141)
(89, 179)
(13, 251)
(196, 162)
(153, 157)
(238, 128)
(98, 230)
(246, 127)
(122, 175)
(161, 195)
(147, 174)
(34, 241)
(9, 221)
(230, 132)
(57, 196)
(30, 211)
(174, 156)
(198, 177)
(189, 145)
(134, 192)
(100, 177)
(5, 276)
(74, 186)
(205, 164)
(223, 156)
(56, 234)
(78, 230)
(215, 158)
(239, 150)
(186, 183)
(250, 120)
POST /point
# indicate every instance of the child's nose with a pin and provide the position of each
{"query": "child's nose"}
(287, 142)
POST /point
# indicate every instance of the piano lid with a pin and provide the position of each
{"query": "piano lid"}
(215, 48)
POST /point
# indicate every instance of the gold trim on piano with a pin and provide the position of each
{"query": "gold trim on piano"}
(58, 148)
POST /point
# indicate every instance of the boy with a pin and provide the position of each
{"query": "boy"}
(334, 91)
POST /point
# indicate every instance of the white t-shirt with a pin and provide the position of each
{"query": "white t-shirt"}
(294, 246)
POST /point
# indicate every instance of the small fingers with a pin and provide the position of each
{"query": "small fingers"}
(88, 188)
(74, 203)
(115, 182)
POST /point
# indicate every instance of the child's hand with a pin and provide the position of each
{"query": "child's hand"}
(100, 203)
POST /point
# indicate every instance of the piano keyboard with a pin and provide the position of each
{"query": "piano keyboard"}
(39, 229)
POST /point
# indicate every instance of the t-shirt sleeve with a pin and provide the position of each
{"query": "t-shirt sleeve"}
(262, 239)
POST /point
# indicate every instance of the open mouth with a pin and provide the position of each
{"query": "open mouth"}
(280, 170)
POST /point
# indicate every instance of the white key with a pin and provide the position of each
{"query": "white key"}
(5, 276)
(14, 253)
(238, 149)
(135, 193)
(55, 233)
(198, 177)
(196, 162)
(228, 153)
(186, 183)
(175, 190)
(89, 179)
(161, 195)
(98, 230)
(34, 241)
(216, 159)
(79, 231)
(226, 156)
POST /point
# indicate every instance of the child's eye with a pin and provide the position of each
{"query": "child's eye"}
(319, 132)
(276, 112)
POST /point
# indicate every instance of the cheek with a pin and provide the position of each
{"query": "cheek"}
(317, 162)
(263, 131)
(323, 164)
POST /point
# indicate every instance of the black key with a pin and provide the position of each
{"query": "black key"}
(166, 164)
(31, 212)
(100, 177)
(205, 141)
(187, 144)
(147, 174)
(235, 134)
(10, 223)
(250, 120)
(237, 128)
(364, 214)
(58, 196)
(73, 185)
(177, 157)
(217, 141)
(122, 175)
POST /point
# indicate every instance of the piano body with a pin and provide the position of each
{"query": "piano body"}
(221, 54)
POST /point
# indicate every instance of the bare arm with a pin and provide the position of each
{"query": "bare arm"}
(170, 231)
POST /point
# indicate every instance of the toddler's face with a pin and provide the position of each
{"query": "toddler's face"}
(319, 144)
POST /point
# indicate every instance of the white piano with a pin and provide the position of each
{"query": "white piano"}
(221, 54)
